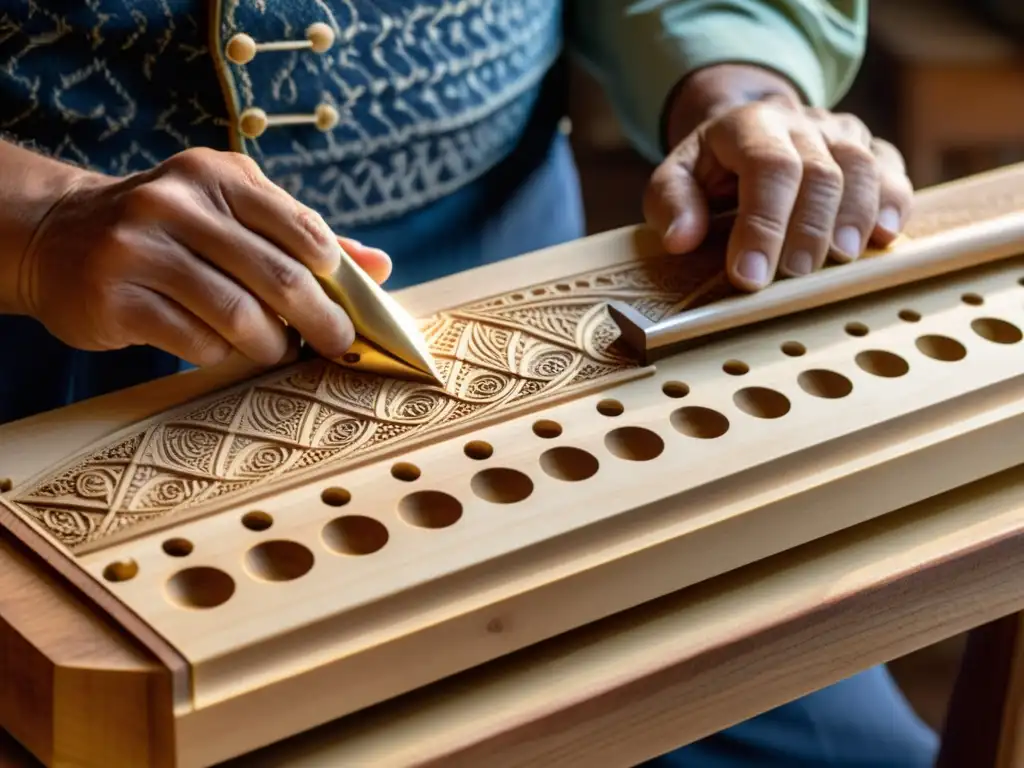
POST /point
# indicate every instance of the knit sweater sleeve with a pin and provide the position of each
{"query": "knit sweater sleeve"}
(640, 49)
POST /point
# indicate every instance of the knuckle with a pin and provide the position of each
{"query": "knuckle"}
(849, 119)
(881, 145)
(291, 281)
(196, 161)
(811, 228)
(111, 256)
(237, 309)
(765, 226)
(856, 157)
(898, 184)
(157, 199)
(313, 226)
(825, 176)
(209, 349)
(247, 170)
(777, 164)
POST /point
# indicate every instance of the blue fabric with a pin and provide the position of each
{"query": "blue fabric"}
(861, 722)
(430, 94)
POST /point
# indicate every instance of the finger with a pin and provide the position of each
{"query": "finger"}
(841, 126)
(282, 283)
(814, 214)
(674, 203)
(756, 146)
(157, 321)
(235, 314)
(896, 194)
(375, 262)
(263, 207)
(858, 210)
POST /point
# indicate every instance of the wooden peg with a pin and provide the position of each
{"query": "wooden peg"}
(241, 48)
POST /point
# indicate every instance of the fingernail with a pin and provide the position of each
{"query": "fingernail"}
(754, 267)
(799, 263)
(889, 220)
(673, 229)
(848, 241)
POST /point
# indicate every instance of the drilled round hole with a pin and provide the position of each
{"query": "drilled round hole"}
(335, 496)
(974, 299)
(354, 535)
(279, 560)
(762, 402)
(351, 358)
(201, 587)
(697, 421)
(909, 316)
(6, 484)
(998, 331)
(569, 464)
(610, 408)
(634, 444)
(121, 570)
(826, 384)
(178, 547)
(501, 485)
(878, 362)
(430, 509)
(793, 349)
(547, 429)
(478, 450)
(856, 329)
(257, 521)
(735, 367)
(941, 348)
(675, 389)
(405, 472)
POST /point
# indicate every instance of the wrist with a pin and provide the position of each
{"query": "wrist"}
(32, 185)
(712, 90)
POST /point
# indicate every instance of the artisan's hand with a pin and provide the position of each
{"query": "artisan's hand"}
(200, 256)
(808, 184)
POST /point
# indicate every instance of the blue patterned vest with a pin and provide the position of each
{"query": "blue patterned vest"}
(410, 101)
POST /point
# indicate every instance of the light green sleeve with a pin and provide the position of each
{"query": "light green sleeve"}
(639, 49)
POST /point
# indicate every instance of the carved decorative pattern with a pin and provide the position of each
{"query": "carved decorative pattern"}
(493, 353)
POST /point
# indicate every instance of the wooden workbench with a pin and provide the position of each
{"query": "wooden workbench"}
(651, 679)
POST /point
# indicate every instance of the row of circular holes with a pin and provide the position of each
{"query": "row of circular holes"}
(359, 535)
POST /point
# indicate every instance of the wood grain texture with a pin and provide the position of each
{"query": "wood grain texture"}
(670, 672)
(667, 673)
(522, 345)
(972, 412)
(532, 345)
(76, 690)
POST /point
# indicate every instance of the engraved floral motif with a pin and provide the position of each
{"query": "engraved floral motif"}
(503, 350)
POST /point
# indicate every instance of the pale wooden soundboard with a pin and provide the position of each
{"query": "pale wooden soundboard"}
(376, 572)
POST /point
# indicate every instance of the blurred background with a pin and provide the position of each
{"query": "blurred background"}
(943, 80)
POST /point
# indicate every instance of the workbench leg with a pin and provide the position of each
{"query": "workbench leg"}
(986, 714)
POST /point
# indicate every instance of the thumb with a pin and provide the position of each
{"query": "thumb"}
(676, 207)
(375, 262)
